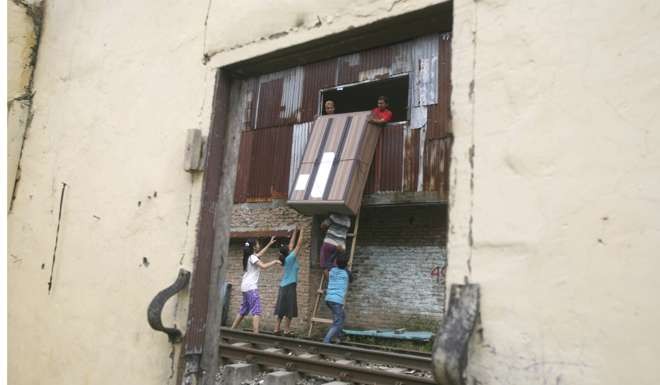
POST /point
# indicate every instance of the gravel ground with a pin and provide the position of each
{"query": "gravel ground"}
(259, 380)
(317, 380)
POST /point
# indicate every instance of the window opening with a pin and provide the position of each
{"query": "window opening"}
(364, 95)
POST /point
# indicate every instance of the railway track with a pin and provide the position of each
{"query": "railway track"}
(345, 363)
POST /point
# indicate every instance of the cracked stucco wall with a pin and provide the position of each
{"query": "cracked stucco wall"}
(553, 199)
(266, 26)
(555, 185)
(23, 25)
(115, 89)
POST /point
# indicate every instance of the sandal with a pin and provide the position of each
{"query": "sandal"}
(277, 332)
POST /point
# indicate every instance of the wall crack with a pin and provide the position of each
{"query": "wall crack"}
(472, 97)
(187, 223)
(57, 237)
(205, 56)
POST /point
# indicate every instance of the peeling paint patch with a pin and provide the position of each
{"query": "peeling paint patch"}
(34, 12)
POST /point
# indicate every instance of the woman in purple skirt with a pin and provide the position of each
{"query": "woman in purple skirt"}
(252, 266)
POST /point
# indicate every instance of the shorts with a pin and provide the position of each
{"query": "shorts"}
(251, 303)
(287, 302)
(327, 252)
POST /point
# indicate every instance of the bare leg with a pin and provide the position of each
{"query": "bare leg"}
(255, 323)
(278, 324)
(237, 321)
(287, 325)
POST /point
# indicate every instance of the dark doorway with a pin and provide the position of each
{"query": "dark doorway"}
(363, 96)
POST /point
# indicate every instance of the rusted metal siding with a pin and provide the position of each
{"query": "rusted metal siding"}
(317, 76)
(387, 169)
(291, 97)
(250, 91)
(269, 165)
(244, 162)
(268, 103)
(424, 80)
(281, 146)
(298, 143)
(436, 165)
(391, 159)
(348, 69)
(410, 159)
(439, 114)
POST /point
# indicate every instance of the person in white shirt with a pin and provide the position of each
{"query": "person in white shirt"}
(252, 266)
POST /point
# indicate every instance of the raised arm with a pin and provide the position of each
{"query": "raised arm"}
(300, 239)
(263, 251)
(292, 241)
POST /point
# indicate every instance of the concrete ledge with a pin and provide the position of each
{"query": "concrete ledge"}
(403, 198)
(234, 374)
(281, 377)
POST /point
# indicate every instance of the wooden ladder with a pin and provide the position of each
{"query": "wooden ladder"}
(314, 319)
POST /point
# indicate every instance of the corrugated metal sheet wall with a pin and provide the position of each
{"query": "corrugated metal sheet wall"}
(263, 169)
(279, 107)
(299, 141)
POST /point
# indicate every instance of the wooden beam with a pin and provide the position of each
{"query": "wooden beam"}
(260, 234)
(403, 198)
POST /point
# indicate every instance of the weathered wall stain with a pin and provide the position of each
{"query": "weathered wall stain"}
(24, 31)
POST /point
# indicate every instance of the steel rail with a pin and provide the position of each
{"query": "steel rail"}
(343, 372)
(389, 349)
(333, 350)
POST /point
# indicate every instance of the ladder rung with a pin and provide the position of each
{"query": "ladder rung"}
(322, 320)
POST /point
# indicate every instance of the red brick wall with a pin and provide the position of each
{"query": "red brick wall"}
(397, 249)
(263, 216)
(396, 252)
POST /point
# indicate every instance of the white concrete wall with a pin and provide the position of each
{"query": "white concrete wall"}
(117, 85)
(266, 26)
(559, 199)
(563, 211)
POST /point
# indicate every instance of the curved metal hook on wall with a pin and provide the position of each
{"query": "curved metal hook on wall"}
(450, 349)
(155, 309)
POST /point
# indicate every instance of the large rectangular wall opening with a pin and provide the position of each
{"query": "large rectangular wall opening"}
(363, 96)
(283, 91)
(403, 229)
